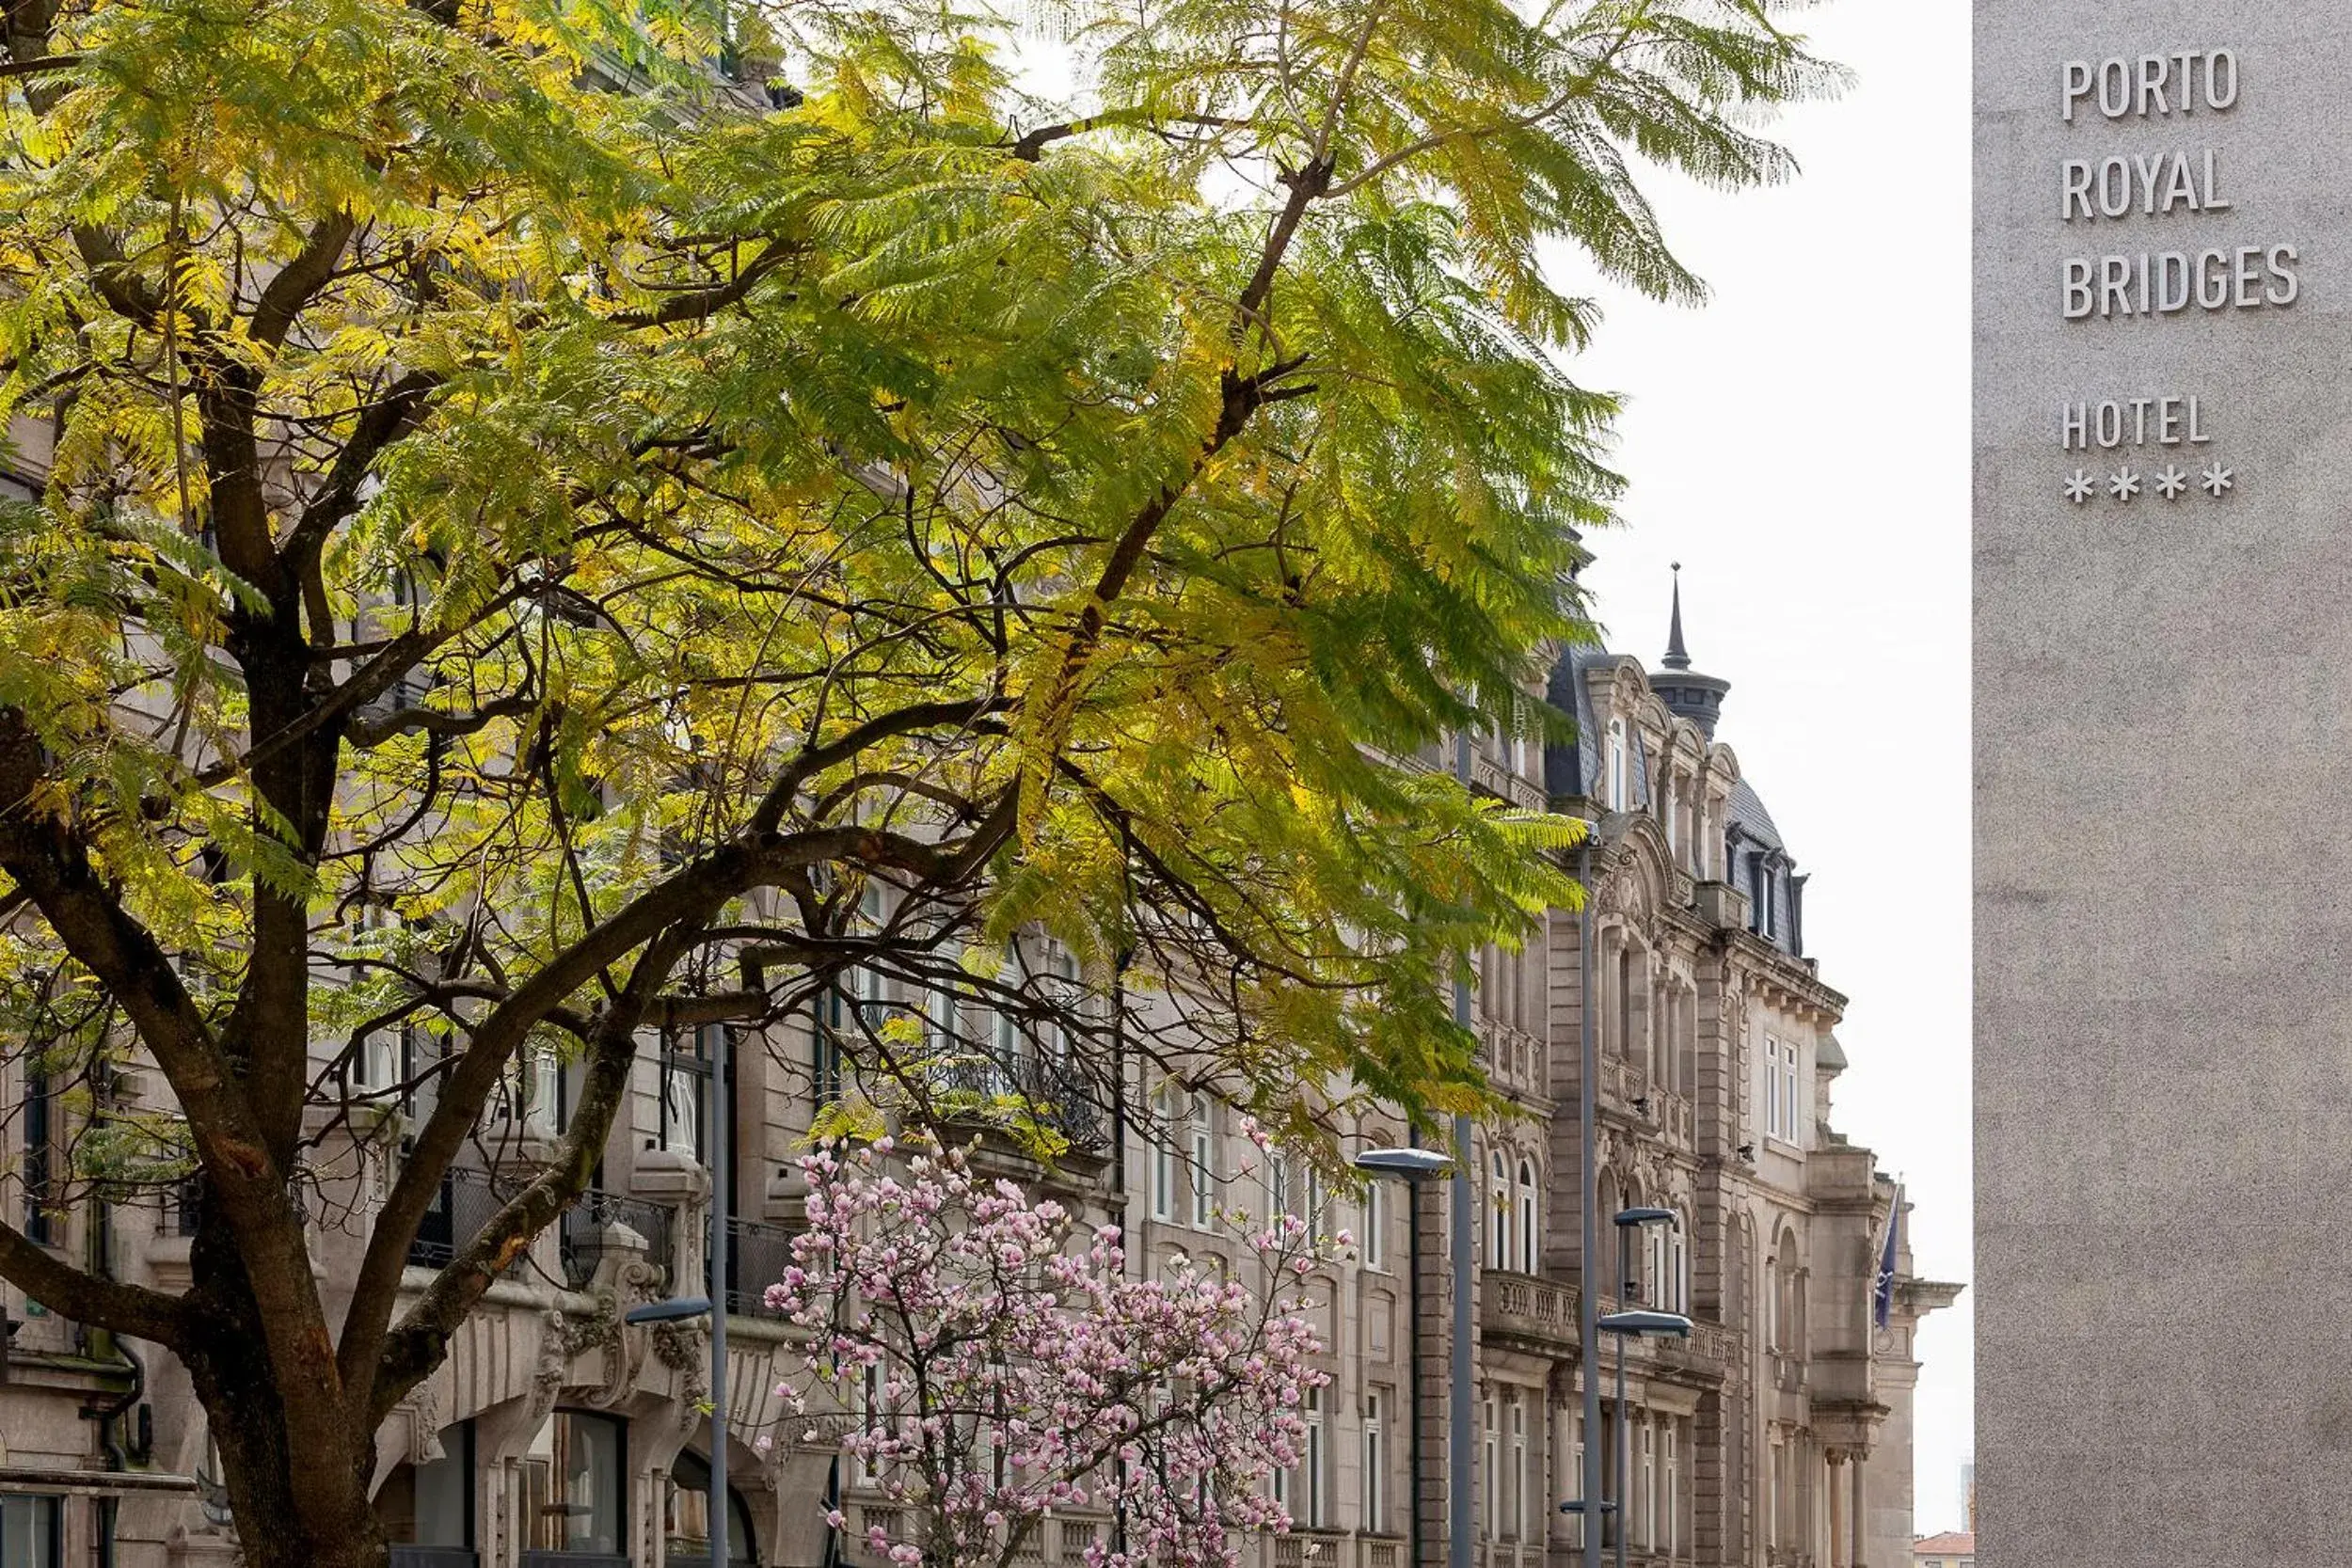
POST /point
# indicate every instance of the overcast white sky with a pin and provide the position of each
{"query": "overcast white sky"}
(1801, 446)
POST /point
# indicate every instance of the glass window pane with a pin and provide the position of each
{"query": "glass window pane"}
(443, 1492)
(28, 1531)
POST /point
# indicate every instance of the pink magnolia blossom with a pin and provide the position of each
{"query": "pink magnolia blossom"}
(1000, 1363)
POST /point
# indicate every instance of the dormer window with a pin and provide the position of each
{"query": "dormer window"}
(1616, 764)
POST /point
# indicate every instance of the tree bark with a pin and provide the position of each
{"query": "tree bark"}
(295, 1507)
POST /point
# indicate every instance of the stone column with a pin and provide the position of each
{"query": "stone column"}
(1837, 1534)
(1861, 1517)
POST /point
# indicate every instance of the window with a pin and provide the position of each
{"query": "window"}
(1203, 1143)
(1375, 1472)
(1278, 1184)
(866, 1410)
(1780, 1088)
(1789, 1090)
(1063, 994)
(574, 1477)
(996, 1037)
(1616, 764)
(1530, 1242)
(1515, 1476)
(685, 1093)
(1575, 1481)
(688, 1525)
(1312, 1456)
(29, 1530)
(41, 1221)
(1657, 1278)
(380, 1065)
(1499, 1215)
(1646, 1497)
(1488, 1472)
(824, 1067)
(1164, 1156)
(1375, 1222)
(531, 1091)
(1673, 1488)
(430, 1504)
(1625, 1003)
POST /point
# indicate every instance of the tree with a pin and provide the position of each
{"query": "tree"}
(997, 1365)
(522, 534)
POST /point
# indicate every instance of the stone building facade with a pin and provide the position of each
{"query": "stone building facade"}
(556, 1436)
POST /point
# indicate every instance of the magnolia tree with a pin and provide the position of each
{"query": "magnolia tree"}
(1000, 1363)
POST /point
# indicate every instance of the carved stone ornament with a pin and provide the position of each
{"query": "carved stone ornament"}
(423, 1408)
(568, 1338)
(685, 1349)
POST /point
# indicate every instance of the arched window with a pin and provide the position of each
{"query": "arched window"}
(1625, 1003)
(1530, 1232)
(689, 1522)
(1658, 1276)
(1599, 1269)
(429, 1504)
(1628, 1255)
(1499, 1214)
(574, 1492)
(1686, 1043)
(1617, 765)
(1660, 1039)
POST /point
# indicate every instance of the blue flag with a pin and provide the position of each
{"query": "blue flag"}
(1883, 1296)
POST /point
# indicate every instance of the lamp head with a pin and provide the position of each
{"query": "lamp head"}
(670, 1311)
(1646, 1324)
(1408, 1163)
(1649, 1216)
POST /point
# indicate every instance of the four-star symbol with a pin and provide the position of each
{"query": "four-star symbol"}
(2172, 482)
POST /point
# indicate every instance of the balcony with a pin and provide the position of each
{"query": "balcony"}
(581, 1226)
(757, 1255)
(1517, 1306)
(1707, 1354)
(469, 1200)
(1624, 1083)
(1053, 1092)
(1512, 1057)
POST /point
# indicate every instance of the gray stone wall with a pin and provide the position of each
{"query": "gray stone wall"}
(2164, 1073)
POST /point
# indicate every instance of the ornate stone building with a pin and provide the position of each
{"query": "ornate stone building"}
(1778, 1436)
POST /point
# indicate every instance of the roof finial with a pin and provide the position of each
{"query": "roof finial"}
(1677, 657)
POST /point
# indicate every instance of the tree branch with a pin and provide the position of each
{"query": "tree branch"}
(109, 1304)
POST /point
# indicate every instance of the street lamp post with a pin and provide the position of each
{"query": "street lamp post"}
(717, 1124)
(1410, 1165)
(1588, 1193)
(1635, 1325)
(1463, 1516)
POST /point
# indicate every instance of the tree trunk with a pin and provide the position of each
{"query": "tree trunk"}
(293, 1509)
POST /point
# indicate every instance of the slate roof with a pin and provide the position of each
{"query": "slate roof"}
(1574, 768)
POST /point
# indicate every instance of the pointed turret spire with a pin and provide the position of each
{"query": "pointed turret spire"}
(1696, 697)
(1677, 657)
